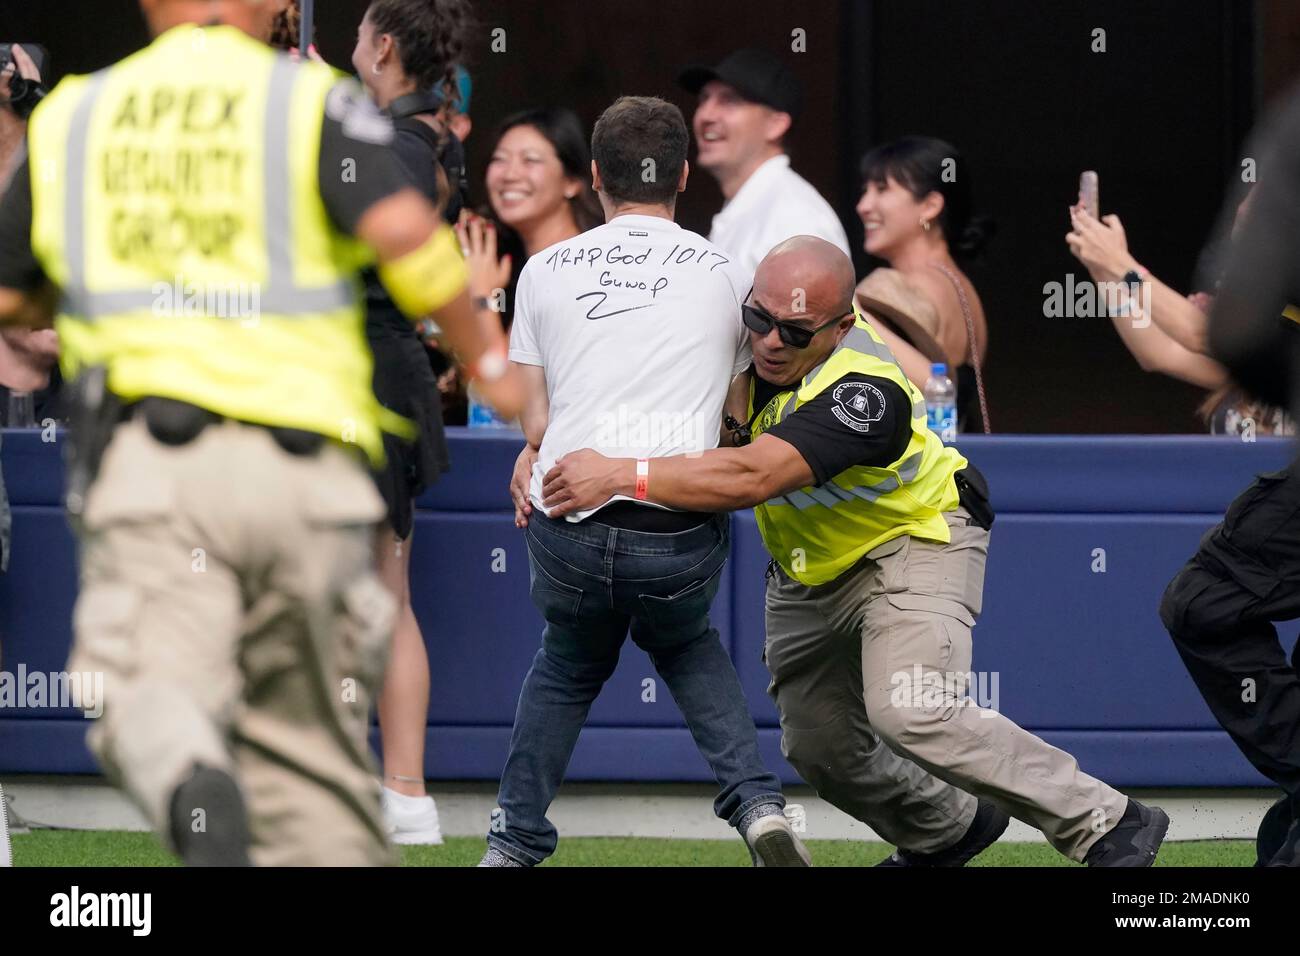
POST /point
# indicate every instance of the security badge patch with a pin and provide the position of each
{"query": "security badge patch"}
(858, 404)
(349, 105)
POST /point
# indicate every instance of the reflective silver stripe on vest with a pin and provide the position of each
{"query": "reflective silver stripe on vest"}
(279, 296)
(283, 296)
(910, 467)
(859, 340)
(831, 494)
(787, 409)
(74, 199)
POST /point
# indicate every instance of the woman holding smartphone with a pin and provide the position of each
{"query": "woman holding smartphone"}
(1171, 339)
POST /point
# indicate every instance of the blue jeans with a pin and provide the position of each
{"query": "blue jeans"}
(592, 581)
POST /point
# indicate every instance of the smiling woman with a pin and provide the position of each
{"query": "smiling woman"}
(916, 211)
(539, 183)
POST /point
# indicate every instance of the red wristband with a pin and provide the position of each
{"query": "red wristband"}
(642, 478)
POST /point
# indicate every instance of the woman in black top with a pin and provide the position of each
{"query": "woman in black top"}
(405, 50)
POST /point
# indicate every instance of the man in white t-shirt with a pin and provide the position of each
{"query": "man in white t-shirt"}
(747, 105)
(629, 335)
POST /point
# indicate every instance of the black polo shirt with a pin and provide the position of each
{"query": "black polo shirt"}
(859, 420)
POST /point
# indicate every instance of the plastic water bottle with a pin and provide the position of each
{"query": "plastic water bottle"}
(22, 410)
(941, 403)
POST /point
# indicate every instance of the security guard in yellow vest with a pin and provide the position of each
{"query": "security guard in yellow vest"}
(878, 535)
(201, 209)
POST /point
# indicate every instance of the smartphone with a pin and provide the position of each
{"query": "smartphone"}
(35, 51)
(1089, 192)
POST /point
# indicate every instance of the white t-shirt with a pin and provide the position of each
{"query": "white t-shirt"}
(774, 204)
(637, 325)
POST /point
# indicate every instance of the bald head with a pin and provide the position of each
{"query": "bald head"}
(817, 267)
(805, 282)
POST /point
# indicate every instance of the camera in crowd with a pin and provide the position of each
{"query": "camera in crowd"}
(24, 93)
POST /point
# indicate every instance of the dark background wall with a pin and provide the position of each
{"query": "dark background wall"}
(1014, 84)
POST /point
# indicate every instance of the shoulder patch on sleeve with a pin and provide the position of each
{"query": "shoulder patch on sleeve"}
(857, 404)
(348, 105)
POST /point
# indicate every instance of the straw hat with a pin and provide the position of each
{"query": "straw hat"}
(888, 296)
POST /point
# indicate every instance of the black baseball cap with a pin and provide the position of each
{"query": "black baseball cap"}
(757, 75)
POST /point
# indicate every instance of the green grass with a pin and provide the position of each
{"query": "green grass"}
(113, 848)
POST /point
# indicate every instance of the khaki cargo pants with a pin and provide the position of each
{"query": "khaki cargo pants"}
(228, 597)
(869, 673)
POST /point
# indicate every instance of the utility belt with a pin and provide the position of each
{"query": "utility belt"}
(96, 412)
(174, 422)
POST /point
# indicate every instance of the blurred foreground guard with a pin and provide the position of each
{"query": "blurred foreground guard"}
(202, 208)
(878, 535)
(1221, 606)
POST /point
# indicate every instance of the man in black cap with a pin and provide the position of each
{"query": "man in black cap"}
(747, 105)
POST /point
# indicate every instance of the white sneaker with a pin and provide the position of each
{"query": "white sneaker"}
(6, 858)
(411, 821)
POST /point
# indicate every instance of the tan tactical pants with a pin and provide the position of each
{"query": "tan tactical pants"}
(871, 674)
(228, 597)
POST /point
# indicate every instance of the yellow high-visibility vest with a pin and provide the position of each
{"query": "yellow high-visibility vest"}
(819, 532)
(176, 205)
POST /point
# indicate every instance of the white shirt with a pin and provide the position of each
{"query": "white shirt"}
(772, 205)
(637, 325)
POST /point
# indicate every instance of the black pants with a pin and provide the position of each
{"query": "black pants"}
(1219, 610)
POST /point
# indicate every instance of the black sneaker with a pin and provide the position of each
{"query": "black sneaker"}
(224, 838)
(1288, 854)
(1273, 830)
(1134, 841)
(989, 823)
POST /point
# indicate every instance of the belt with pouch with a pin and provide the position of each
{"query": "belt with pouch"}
(174, 422)
(973, 494)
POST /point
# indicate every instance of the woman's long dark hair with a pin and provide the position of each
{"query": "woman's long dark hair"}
(286, 26)
(430, 35)
(922, 165)
(563, 130)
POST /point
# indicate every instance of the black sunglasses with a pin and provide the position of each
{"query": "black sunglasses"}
(795, 336)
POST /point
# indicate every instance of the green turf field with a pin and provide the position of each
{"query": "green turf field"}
(111, 848)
